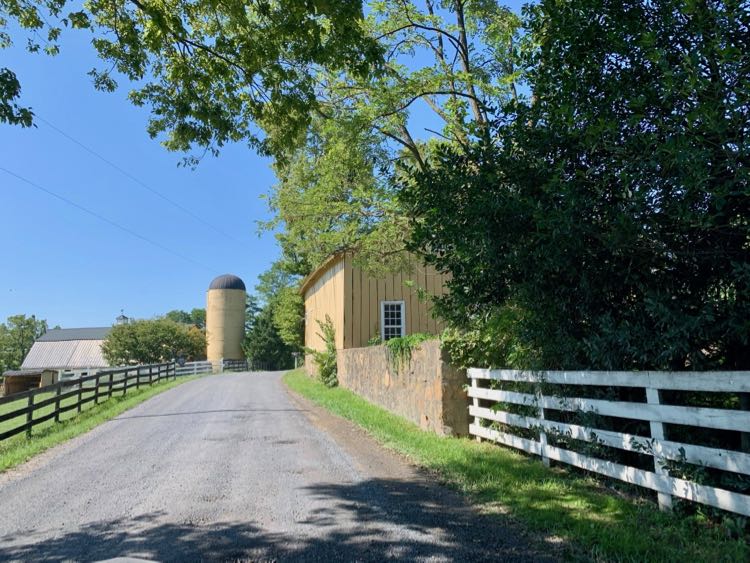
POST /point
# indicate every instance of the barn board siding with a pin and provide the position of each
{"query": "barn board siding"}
(352, 298)
(325, 297)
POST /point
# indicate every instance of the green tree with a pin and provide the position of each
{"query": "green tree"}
(196, 317)
(263, 346)
(337, 186)
(153, 341)
(609, 213)
(251, 312)
(179, 316)
(289, 317)
(17, 335)
(211, 73)
(278, 289)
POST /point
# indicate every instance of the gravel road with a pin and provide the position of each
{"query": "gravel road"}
(232, 467)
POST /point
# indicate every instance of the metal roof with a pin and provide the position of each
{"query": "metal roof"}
(227, 281)
(65, 354)
(22, 372)
(63, 334)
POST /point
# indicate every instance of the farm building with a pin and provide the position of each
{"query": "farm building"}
(362, 307)
(16, 381)
(70, 351)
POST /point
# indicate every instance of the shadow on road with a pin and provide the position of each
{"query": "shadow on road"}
(367, 521)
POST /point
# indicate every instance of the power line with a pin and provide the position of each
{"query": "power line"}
(138, 181)
(102, 218)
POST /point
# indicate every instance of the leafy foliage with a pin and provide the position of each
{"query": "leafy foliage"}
(399, 350)
(610, 211)
(211, 72)
(263, 346)
(10, 90)
(17, 335)
(338, 185)
(153, 341)
(326, 359)
(196, 317)
(278, 289)
(490, 340)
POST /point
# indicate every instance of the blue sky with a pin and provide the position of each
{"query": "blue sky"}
(73, 269)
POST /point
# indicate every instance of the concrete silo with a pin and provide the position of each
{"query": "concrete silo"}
(225, 318)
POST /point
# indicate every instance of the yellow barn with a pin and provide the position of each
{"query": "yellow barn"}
(362, 307)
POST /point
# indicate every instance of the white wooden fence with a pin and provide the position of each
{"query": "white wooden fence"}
(487, 402)
(195, 368)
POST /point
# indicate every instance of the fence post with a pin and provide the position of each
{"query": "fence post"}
(30, 415)
(653, 397)
(542, 432)
(151, 375)
(96, 389)
(475, 403)
(109, 391)
(57, 401)
(125, 383)
(80, 393)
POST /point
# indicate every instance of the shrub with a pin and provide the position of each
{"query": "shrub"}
(326, 359)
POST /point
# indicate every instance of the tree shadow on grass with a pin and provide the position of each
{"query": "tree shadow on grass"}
(371, 520)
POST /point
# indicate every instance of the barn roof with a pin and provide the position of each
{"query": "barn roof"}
(68, 348)
(63, 334)
(22, 372)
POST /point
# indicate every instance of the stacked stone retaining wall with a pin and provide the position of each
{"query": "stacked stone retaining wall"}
(428, 390)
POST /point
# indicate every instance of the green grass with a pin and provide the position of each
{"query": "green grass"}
(39, 413)
(597, 523)
(19, 449)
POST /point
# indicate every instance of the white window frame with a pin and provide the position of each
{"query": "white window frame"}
(382, 317)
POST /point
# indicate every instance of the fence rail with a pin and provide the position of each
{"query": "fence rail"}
(194, 368)
(494, 421)
(98, 387)
(234, 365)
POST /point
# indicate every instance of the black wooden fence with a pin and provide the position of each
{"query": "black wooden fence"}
(96, 388)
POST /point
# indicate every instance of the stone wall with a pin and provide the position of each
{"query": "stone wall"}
(428, 391)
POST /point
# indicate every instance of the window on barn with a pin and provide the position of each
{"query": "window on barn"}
(392, 319)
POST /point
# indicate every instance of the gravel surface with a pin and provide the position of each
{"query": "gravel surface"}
(232, 467)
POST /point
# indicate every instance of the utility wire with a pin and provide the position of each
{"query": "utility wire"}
(138, 181)
(102, 218)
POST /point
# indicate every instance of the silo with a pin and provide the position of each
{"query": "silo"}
(225, 318)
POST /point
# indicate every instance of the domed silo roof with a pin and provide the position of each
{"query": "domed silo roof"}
(227, 281)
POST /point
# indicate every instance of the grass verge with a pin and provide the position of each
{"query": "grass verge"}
(19, 449)
(601, 525)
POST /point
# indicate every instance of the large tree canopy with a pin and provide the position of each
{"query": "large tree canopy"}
(452, 61)
(210, 72)
(609, 218)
